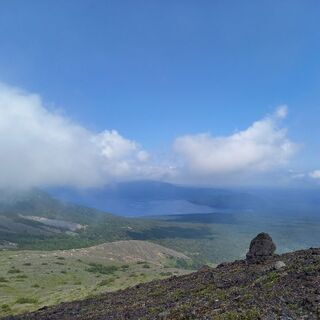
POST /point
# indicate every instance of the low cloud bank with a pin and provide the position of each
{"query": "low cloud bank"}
(43, 148)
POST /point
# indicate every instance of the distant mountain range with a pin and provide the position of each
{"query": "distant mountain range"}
(148, 198)
(207, 224)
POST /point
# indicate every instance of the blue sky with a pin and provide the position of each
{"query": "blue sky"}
(155, 71)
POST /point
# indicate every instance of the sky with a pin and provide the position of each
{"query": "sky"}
(209, 92)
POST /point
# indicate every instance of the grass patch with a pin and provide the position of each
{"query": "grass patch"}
(251, 314)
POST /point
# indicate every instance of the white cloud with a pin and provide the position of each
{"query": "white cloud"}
(43, 148)
(315, 174)
(263, 146)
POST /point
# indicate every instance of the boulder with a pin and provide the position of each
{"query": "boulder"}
(279, 265)
(261, 247)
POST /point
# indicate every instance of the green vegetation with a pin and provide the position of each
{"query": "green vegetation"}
(25, 300)
(174, 262)
(251, 314)
(234, 291)
(268, 280)
(206, 238)
(5, 308)
(13, 270)
(99, 268)
(106, 282)
(30, 280)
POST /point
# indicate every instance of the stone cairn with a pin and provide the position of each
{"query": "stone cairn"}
(261, 248)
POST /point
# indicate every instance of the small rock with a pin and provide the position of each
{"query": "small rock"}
(279, 265)
(163, 315)
(222, 265)
(205, 268)
(270, 316)
(261, 247)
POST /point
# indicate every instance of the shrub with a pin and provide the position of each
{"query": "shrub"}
(25, 300)
(13, 270)
(99, 268)
(5, 307)
(181, 264)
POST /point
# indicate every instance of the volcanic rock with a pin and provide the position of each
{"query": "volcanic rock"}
(261, 247)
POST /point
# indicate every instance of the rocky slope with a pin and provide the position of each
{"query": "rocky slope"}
(275, 287)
